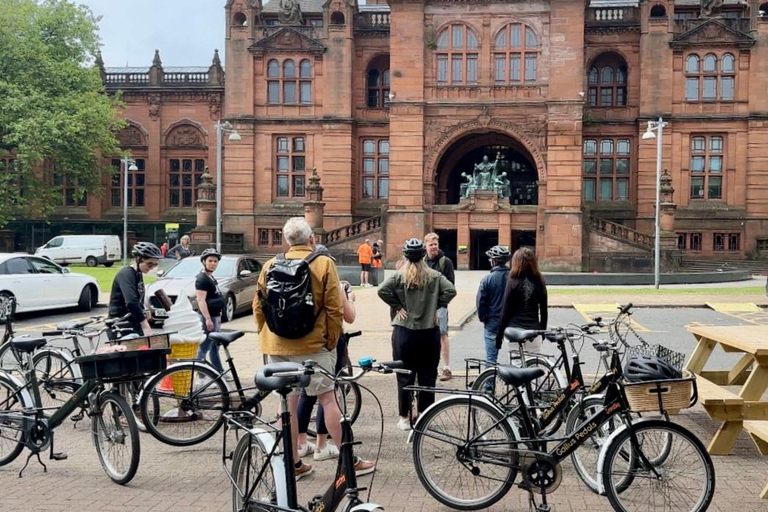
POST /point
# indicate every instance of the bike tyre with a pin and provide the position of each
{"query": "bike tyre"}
(133, 432)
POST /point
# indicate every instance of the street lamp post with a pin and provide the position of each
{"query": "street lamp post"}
(649, 135)
(221, 129)
(128, 165)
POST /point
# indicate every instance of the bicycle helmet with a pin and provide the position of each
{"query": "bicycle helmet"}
(146, 250)
(498, 253)
(414, 250)
(648, 368)
(210, 252)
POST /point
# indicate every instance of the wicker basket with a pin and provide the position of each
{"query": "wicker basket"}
(181, 381)
(662, 395)
(153, 341)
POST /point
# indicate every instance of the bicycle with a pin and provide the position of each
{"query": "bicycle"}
(259, 451)
(491, 445)
(25, 423)
(184, 404)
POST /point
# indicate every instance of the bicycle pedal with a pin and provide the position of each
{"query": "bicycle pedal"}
(77, 417)
(59, 456)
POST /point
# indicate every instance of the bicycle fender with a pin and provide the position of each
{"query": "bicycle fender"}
(26, 397)
(601, 459)
(365, 507)
(267, 441)
(74, 368)
(457, 398)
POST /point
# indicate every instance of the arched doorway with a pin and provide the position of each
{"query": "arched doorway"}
(513, 159)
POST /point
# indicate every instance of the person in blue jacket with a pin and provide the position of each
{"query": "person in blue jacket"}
(489, 300)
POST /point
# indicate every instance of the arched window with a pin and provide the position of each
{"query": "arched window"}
(285, 85)
(378, 82)
(239, 19)
(516, 54)
(608, 81)
(457, 53)
(658, 11)
(711, 79)
(337, 18)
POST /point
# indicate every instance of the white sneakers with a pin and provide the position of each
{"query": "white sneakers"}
(404, 424)
(329, 452)
(306, 449)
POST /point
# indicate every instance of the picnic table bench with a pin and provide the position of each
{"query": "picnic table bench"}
(742, 411)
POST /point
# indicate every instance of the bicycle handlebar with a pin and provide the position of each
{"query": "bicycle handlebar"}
(624, 310)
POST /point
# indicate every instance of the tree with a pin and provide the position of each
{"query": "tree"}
(55, 118)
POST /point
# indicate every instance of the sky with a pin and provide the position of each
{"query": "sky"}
(185, 31)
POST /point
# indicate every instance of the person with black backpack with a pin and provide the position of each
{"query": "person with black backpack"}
(299, 313)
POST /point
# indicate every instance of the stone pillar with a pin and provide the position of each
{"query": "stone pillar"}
(670, 254)
(204, 234)
(156, 73)
(314, 207)
(463, 242)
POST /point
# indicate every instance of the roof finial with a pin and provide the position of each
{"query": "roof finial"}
(216, 59)
(99, 60)
(156, 61)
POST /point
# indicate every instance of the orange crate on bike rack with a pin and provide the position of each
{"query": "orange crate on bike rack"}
(161, 340)
(662, 395)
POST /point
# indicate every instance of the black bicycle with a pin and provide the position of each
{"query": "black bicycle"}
(468, 452)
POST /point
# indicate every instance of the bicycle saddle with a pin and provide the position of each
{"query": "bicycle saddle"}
(72, 326)
(513, 334)
(515, 376)
(225, 338)
(267, 381)
(27, 345)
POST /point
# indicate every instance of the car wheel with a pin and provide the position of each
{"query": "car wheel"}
(91, 261)
(229, 310)
(85, 304)
(109, 264)
(4, 298)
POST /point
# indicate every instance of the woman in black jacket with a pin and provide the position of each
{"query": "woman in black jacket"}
(525, 298)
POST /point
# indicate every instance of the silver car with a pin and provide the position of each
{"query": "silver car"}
(237, 276)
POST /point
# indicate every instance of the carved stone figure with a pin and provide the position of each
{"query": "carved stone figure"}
(484, 174)
(710, 8)
(131, 136)
(501, 185)
(185, 135)
(154, 106)
(289, 13)
(214, 106)
(467, 188)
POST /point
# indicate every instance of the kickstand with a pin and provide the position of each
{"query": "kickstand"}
(533, 507)
(33, 454)
(77, 417)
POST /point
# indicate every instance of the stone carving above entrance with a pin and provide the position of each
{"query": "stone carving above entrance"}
(185, 133)
(486, 176)
(712, 32)
(287, 40)
(131, 136)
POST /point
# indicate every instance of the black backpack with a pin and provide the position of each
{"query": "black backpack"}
(288, 307)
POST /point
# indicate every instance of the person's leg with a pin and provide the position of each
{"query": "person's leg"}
(293, 406)
(362, 275)
(427, 368)
(214, 348)
(400, 353)
(303, 417)
(491, 353)
(445, 352)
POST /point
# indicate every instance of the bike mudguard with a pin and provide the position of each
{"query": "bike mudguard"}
(267, 441)
(365, 507)
(604, 449)
(456, 398)
(26, 397)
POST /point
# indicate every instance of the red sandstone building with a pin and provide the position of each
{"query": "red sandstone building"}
(391, 103)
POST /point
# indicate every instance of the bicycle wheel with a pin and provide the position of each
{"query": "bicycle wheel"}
(55, 377)
(11, 435)
(546, 389)
(682, 480)
(585, 457)
(184, 404)
(495, 387)
(246, 464)
(132, 393)
(348, 391)
(8, 360)
(458, 473)
(116, 438)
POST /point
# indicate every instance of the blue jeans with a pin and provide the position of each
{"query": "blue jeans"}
(208, 347)
(491, 353)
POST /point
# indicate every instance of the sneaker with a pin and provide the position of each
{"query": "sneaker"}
(404, 424)
(306, 449)
(329, 452)
(301, 472)
(363, 467)
(446, 374)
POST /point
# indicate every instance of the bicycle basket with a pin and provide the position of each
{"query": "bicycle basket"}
(674, 358)
(662, 395)
(123, 366)
(161, 340)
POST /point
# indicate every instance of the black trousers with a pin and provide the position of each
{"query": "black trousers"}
(419, 350)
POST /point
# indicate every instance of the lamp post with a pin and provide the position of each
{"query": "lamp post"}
(649, 135)
(221, 129)
(128, 165)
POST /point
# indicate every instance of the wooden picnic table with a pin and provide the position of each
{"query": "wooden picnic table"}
(745, 410)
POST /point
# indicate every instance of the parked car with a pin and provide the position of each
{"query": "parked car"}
(237, 276)
(92, 250)
(39, 284)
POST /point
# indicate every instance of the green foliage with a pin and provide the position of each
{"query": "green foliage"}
(54, 114)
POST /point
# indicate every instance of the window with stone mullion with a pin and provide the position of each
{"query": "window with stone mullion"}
(185, 173)
(710, 78)
(457, 56)
(289, 83)
(706, 170)
(606, 164)
(67, 187)
(375, 169)
(515, 55)
(290, 167)
(136, 183)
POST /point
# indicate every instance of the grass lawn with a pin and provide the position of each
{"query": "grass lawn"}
(105, 275)
(652, 291)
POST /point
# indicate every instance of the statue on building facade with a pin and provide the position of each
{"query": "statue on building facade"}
(710, 8)
(486, 175)
(501, 185)
(289, 13)
(467, 188)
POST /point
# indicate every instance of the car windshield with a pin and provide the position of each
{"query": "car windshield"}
(190, 267)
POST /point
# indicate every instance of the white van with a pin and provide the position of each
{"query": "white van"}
(89, 249)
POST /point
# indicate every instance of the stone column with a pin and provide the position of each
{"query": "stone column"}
(204, 234)
(670, 254)
(314, 207)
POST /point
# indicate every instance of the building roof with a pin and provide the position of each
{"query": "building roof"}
(613, 3)
(696, 3)
(307, 6)
(167, 69)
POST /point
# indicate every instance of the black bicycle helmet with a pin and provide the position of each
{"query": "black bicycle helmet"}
(414, 250)
(210, 252)
(498, 253)
(646, 368)
(146, 250)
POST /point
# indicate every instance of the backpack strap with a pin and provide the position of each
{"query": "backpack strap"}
(309, 258)
(280, 256)
(441, 264)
